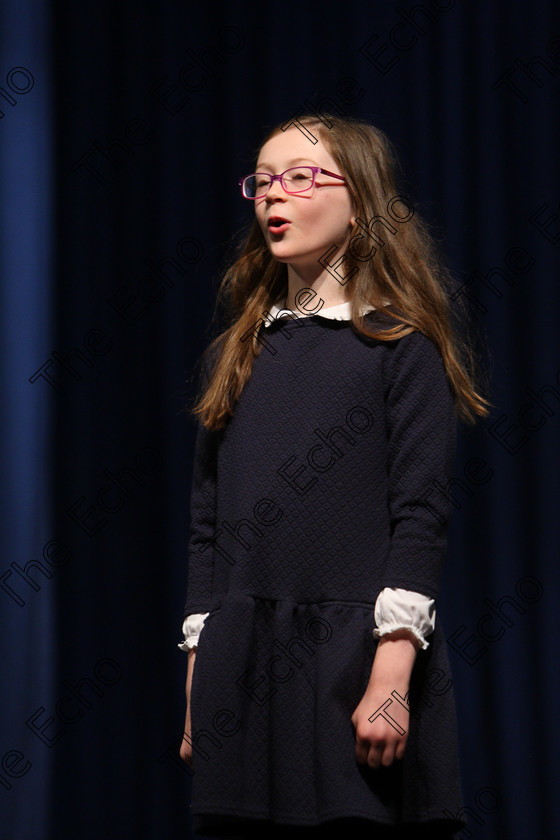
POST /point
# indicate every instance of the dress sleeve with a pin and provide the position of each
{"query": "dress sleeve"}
(399, 609)
(421, 431)
(192, 627)
(200, 550)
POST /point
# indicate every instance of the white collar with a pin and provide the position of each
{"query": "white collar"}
(340, 312)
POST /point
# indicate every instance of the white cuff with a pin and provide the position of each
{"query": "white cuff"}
(398, 609)
(192, 626)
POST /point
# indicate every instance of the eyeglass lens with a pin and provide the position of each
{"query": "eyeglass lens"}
(294, 181)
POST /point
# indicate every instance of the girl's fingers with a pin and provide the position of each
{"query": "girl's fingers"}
(379, 753)
(375, 755)
(399, 752)
(388, 756)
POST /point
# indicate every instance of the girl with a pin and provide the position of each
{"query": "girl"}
(321, 696)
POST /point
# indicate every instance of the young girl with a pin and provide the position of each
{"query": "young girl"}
(321, 696)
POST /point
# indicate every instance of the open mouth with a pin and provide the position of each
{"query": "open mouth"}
(277, 225)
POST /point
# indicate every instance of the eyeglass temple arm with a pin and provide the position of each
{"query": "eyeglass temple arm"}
(332, 174)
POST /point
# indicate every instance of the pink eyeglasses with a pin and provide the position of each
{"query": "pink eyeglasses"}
(298, 179)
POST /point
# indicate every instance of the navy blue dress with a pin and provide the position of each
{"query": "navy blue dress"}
(327, 485)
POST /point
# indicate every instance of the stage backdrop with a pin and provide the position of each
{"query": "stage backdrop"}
(124, 127)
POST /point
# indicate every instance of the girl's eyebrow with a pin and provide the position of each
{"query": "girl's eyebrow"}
(295, 160)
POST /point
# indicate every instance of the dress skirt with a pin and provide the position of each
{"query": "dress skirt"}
(274, 687)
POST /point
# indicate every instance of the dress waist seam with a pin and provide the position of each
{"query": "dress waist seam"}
(346, 602)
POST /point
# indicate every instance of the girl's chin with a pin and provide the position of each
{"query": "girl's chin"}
(295, 259)
(300, 265)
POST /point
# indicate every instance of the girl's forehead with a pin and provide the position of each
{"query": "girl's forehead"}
(294, 145)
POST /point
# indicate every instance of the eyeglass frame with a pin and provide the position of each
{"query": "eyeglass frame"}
(315, 169)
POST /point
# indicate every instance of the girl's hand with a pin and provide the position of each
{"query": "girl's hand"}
(381, 722)
(382, 739)
(186, 749)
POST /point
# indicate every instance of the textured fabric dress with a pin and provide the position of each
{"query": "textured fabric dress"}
(327, 485)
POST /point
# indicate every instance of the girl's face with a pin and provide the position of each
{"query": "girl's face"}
(317, 219)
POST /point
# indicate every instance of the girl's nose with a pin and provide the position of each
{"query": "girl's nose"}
(275, 190)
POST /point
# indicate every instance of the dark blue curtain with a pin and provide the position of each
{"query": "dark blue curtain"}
(123, 130)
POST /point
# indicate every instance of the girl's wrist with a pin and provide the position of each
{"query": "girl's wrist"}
(394, 660)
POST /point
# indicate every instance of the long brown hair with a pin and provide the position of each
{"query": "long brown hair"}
(405, 271)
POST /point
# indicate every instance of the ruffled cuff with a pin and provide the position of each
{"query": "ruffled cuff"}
(192, 626)
(401, 609)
